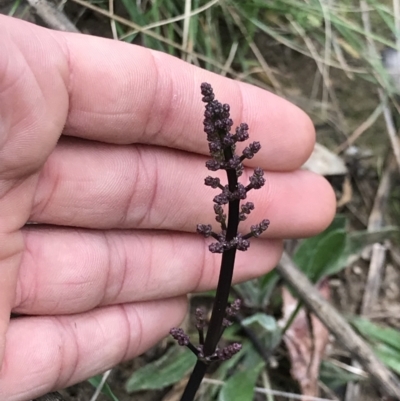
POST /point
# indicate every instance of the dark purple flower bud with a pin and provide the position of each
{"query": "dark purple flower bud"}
(255, 147)
(233, 309)
(242, 243)
(239, 170)
(216, 247)
(200, 319)
(204, 229)
(218, 209)
(222, 236)
(213, 165)
(257, 180)
(234, 162)
(241, 192)
(258, 229)
(228, 140)
(241, 133)
(251, 150)
(207, 92)
(220, 215)
(247, 153)
(247, 207)
(180, 336)
(214, 146)
(228, 123)
(220, 218)
(209, 128)
(229, 351)
(221, 199)
(212, 182)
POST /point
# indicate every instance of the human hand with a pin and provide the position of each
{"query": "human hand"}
(101, 144)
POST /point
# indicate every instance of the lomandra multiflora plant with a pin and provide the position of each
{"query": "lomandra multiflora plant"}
(222, 145)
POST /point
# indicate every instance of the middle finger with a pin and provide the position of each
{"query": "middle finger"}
(105, 186)
(74, 270)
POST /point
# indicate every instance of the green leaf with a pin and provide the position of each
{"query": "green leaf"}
(330, 252)
(249, 291)
(388, 356)
(385, 341)
(95, 382)
(355, 243)
(265, 328)
(377, 333)
(267, 285)
(167, 370)
(326, 254)
(240, 386)
(334, 376)
(306, 251)
(224, 370)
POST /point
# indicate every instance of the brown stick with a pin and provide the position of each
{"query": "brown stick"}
(338, 326)
(52, 16)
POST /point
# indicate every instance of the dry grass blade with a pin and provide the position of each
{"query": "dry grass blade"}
(172, 20)
(266, 391)
(360, 129)
(391, 130)
(101, 385)
(264, 65)
(154, 35)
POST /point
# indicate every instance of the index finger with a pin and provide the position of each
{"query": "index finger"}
(122, 93)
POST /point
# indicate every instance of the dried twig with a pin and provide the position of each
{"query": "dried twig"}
(338, 326)
(52, 16)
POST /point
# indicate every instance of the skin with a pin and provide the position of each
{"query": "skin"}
(101, 144)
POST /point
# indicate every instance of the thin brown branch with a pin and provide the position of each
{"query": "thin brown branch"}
(52, 16)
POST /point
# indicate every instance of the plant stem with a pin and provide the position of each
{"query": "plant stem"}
(224, 285)
(226, 271)
(194, 381)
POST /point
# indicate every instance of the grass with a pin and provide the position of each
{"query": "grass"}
(321, 54)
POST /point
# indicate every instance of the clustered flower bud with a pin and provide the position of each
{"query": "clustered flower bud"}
(231, 311)
(200, 319)
(212, 182)
(180, 336)
(228, 352)
(222, 145)
(251, 150)
(220, 216)
(245, 209)
(217, 124)
(258, 229)
(241, 133)
(220, 354)
(204, 229)
(256, 180)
